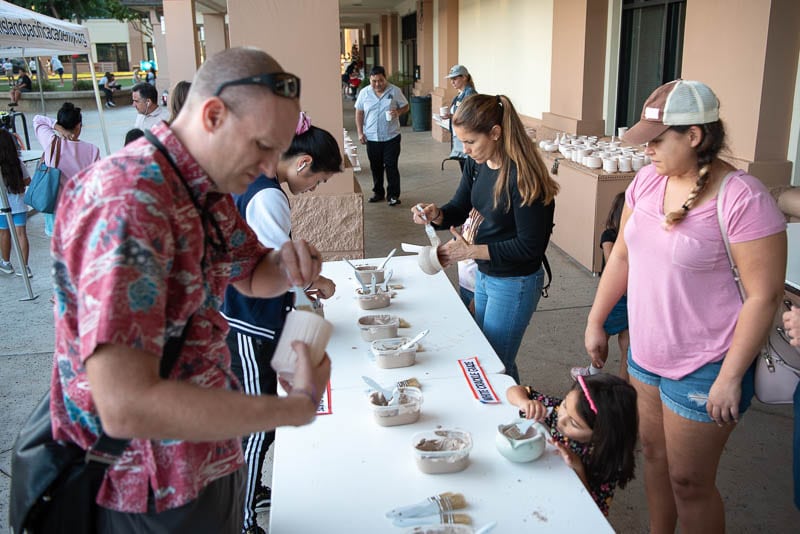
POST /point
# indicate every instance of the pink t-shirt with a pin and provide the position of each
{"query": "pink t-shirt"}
(683, 303)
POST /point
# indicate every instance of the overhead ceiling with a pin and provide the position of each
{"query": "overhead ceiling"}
(356, 12)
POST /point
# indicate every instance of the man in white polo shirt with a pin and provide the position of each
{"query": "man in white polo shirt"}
(145, 100)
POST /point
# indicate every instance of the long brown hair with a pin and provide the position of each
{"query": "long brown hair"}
(479, 114)
(712, 144)
(10, 164)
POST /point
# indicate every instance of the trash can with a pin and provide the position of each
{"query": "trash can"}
(420, 113)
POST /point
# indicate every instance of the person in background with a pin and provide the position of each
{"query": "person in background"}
(381, 135)
(58, 68)
(692, 339)
(617, 322)
(256, 324)
(145, 100)
(177, 98)
(151, 76)
(33, 67)
(23, 85)
(132, 135)
(507, 181)
(461, 80)
(16, 179)
(74, 154)
(8, 69)
(108, 84)
(594, 429)
(146, 242)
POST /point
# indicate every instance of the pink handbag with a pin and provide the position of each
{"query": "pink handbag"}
(778, 363)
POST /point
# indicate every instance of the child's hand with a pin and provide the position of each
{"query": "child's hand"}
(569, 457)
(533, 409)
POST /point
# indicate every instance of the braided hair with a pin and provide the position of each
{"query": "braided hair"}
(707, 151)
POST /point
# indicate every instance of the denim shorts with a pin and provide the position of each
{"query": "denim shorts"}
(687, 397)
(617, 320)
(20, 219)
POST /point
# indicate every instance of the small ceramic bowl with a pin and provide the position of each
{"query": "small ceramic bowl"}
(378, 326)
(365, 272)
(387, 355)
(374, 302)
(442, 450)
(405, 412)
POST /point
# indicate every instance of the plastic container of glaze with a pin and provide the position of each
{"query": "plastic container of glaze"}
(389, 356)
(404, 412)
(442, 450)
(378, 326)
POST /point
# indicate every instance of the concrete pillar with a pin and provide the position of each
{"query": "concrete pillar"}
(754, 95)
(160, 48)
(425, 22)
(332, 217)
(181, 39)
(214, 29)
(443, 92)
(390, 43)
(135, 46)
(578, 68)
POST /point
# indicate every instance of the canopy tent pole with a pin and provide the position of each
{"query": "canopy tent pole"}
(5, 209)
(99, 104)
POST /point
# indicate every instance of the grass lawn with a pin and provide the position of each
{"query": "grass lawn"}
(125, 79)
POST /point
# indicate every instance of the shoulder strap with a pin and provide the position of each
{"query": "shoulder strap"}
(723, 227)
(549, 273)
(55, 152)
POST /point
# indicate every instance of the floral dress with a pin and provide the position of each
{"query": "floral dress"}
(602, 493)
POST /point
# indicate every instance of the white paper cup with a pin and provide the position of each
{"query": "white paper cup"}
(388, 115)
(301, 326)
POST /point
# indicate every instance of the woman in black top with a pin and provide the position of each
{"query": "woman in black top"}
(506, 180)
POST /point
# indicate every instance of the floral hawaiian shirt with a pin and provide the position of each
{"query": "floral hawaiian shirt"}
(602, 493)
(137, 251)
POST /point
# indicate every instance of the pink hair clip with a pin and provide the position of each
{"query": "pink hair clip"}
(582, 382)
(303, 125)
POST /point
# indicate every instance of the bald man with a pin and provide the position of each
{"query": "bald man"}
(146, 241)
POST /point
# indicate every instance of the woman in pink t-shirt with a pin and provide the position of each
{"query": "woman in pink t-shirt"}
(693, 341)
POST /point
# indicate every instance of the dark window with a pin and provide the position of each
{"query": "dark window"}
(651, 51)
(113, 52)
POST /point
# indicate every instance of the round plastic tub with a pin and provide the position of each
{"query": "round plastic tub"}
(442, 450)
(406, 411)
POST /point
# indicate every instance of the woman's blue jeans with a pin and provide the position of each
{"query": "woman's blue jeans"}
(503, 309)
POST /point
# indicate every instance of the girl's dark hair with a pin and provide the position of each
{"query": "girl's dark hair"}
(133, 134)
(710, 146)
(321, 146)
(614, 428)
(69, 116)
(178, 98)
(479, 114)
(615, 213)
(10, 164)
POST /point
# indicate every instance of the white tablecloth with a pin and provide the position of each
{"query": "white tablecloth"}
(344, 471)
(424, 302)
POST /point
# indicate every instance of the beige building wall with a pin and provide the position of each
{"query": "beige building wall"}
(216, 35)
(507, 48)
(755, 86)
(181, 42)
(331, 217)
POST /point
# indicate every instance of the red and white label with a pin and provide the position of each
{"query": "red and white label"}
(325, 407)
(478, 381)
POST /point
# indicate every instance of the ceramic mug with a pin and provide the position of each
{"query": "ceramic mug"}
(624, 164)
(444, 112)
(637, 162)
(302, 326)
(593, 162)
(621, 131)
(389, 116)
(610, 165)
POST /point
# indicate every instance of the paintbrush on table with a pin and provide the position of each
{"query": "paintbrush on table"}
(438, 504)
(443, 519)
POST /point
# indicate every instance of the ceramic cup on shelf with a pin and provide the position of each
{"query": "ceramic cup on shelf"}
(637, 162)
(593, 162)
(610, 165)
(624, 164)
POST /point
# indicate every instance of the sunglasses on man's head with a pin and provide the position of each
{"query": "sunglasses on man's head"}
(280, 83)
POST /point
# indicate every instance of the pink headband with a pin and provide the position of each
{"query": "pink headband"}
(303, 125)
(582, 382)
